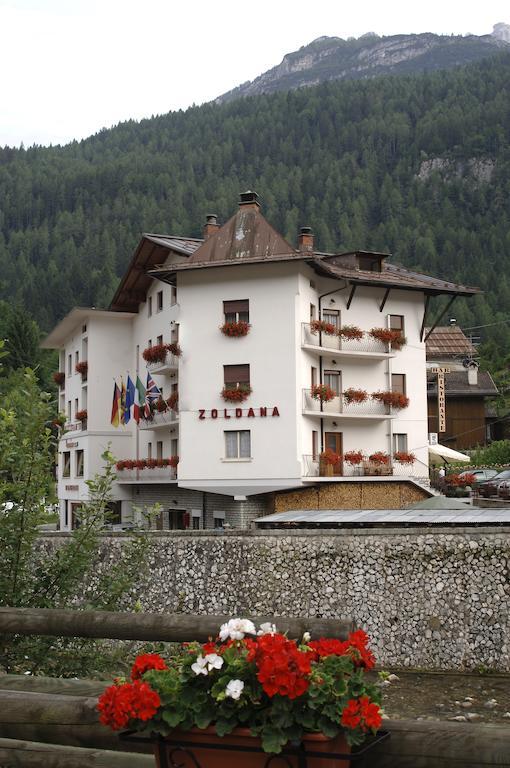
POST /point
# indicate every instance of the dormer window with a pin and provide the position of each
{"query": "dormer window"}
(369, 263)
(237, 311)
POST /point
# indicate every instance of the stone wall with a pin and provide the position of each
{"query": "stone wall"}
(429, 598)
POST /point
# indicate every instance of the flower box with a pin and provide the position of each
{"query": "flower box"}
(394, 399)
(352, 395)
(235, 330)
(158, 352)
(321, 326)
(323, 392)
(248, 697)
(236, 394)
(403, 457)
(59, 378)
(82, 367)
(82, 416)
(353, 457)
(388, 336)
(350, 333)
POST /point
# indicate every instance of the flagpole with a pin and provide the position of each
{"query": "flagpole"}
(137, 444)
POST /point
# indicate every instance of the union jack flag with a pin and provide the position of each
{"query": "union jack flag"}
(152, 393)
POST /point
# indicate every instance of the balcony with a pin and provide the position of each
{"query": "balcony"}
(168, 418)
(170, 364)
(324, 343)
(314, 467)
(156, 475)
(338, 407)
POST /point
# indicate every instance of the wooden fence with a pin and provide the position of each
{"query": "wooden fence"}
(53, 723)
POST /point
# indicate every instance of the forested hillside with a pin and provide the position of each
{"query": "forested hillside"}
(416, 165)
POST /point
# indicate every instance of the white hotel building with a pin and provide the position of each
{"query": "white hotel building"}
(233, 457)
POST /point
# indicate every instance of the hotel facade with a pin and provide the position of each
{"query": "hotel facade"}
(320, 356)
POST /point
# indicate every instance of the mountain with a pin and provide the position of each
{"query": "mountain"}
(332, 58)
(418, 166)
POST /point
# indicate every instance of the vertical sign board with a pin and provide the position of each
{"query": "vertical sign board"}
(441, 398)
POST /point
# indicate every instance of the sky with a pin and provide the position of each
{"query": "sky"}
(73, 67)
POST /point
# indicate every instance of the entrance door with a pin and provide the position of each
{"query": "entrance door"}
(333, 441)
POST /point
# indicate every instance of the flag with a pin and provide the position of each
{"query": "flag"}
(115, 406)
(139, 399)
(122, 402)
(130, 399)
(152, 393)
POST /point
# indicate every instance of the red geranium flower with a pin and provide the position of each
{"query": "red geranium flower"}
(131, 701)
(361, 713)
(145, 662)
(282, 667)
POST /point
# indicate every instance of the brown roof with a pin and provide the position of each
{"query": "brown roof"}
(456, 383)
(448, 341)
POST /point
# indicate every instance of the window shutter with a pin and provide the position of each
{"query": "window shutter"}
(236, 373)
(243, 305)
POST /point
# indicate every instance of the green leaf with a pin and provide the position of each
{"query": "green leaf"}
(172, 718)
(273, 739)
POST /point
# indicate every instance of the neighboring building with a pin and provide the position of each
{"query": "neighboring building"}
(234, 456)
(466, 389)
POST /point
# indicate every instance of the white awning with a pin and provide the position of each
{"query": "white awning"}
(441, 453)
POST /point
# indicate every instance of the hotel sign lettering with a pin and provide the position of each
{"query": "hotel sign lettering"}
(237, 413)
(441, 397)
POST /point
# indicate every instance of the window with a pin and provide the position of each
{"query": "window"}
(76, 406)
(396, 323)
(70, 365)
(66, 464)
(332, 379)
(159, 300)
(399, 442)
(238, 444)
(195, 523)
(313, 375)
(369, 263)
(150, 343)
(149, 450)
(66, 513)
(76, 358)
(315, 444)
(79, 463)
(159, 449)
(174, 333)
(69, 416)
(237, 311)
(173, 295)
(398, 383)
(235, 375)
(159, 341)
(312, 312)
(218, 519)
(149, 307)
(331, 316)
(84, 329)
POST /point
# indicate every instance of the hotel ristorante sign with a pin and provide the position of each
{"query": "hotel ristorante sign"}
(441, 397)
(237, 413)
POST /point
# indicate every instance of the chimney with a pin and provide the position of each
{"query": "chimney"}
(211, 226)
(249, 200)
(305, 239)
(473, 374)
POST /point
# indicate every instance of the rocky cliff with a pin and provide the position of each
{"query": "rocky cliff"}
(332, 58)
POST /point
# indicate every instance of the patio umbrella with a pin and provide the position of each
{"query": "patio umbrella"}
(438, 454)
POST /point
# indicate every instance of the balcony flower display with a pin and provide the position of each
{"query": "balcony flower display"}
(350, 332)
(388, 336)
(81, 415)
(155, 354)
(173, 461)
(236, 394)
(59, 421)
(403, 457)
(353, 457)
(235, 329)
(322, 392)
(258, 685)
(321, 326)
(82, 367)
(330, 457)
(352, 395)
(173, 401)
(379, 458)
(161, 405)
(174, 349)
(59, 378)
(394, 399)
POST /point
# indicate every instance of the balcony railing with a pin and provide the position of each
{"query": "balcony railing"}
(314, 467)
(163, 474)
(169, 365)
(367, 344)
(158, 420)
(338, 406)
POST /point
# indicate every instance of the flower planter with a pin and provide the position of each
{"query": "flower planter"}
(205, 749)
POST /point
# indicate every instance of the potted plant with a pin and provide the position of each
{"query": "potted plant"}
(388, 336)
(173, 401)
(350, 333)
(403, 457)
(257, 691)
(120, 466)
(161, 405)
(352, 395)
(155, 354)
(82, 367)
(59, 378)
(328, 459)
(236, 394)
(82, 415)
(323, 392)
(457, 485)
(321, 326)
(354, 458)
(378, 464)
(235, 330)
(173, 461)
(174, 349)
(395, 400)
(379, 457)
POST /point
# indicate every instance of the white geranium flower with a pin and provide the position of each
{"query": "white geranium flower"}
(234, 689)
(213, 661)
(200, 666)
(306, 637)
(267, 629)
(236, 629)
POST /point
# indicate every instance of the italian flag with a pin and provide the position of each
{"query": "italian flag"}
(139, 399)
